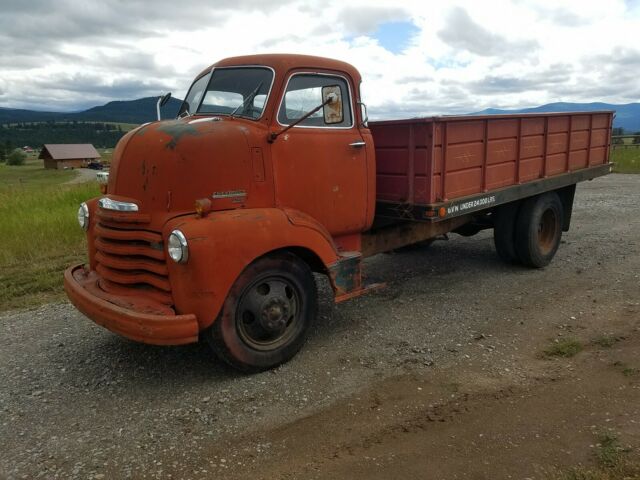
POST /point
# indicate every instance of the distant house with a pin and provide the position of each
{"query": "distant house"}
(27, 149)
(68, 155)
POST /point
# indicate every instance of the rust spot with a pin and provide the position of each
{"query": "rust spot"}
(346, 275)
(176, 130)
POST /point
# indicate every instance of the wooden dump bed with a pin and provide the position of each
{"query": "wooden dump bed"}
(431, 161)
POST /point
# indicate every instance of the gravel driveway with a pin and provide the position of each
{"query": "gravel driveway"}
(79, 402)
(83, 175)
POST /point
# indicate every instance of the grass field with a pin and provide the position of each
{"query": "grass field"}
(627, 160)
(39, 231)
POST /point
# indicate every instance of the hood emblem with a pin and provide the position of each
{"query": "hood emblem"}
(229, 194)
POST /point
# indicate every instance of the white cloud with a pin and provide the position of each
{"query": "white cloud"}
(467, 55)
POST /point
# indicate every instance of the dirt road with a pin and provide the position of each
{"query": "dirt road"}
(83, 175)
(441, 375)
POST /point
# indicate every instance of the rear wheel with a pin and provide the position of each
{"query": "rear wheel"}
(504, 232)
(267, 314)
(539, 229)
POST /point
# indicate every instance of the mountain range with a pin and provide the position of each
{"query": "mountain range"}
(144, 110)
(124, 111)
(627, 115)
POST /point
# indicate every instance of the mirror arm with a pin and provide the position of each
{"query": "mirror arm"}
(158, 107)
(274, 135)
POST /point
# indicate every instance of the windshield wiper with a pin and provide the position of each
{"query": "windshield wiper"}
(250, 97)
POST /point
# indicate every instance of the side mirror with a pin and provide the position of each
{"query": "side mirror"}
(365, 115)
(332, 101)
(162, 100)
(165, 98)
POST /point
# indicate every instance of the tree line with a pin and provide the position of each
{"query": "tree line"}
(35, 135)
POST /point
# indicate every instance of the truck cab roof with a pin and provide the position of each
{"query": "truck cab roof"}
(282, 63)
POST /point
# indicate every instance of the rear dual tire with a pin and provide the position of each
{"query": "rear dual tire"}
(529, 233)
(504, 232)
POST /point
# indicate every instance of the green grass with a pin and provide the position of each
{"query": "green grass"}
(626, 160)
(612, 463)
(39, 231)
(31, 175)
(630, 371)
(565, 348)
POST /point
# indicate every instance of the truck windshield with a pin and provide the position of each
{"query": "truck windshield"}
(241, 91)
(192, 100)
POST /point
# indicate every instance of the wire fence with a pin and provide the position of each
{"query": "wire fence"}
(625, 141)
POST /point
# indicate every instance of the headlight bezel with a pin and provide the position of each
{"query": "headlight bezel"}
(177, 242)
(83, 216)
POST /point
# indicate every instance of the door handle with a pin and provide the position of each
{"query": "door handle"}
(357, 144)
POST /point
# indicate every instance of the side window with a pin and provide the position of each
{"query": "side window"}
(304, 93)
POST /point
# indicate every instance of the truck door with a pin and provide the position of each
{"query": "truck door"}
(319, 168)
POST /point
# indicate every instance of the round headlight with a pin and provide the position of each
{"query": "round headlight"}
(177, 247)
(83, 216)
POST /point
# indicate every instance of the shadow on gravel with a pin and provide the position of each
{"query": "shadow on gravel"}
(104, 360)
(441, 261)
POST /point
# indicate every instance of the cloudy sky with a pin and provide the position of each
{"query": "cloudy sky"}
(416, 57)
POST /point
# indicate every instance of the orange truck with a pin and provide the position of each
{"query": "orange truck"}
(212, 225)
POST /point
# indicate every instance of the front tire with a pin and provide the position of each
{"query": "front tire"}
(539, 229)
(266, 316)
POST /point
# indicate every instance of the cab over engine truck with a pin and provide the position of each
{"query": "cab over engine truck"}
(212, 224)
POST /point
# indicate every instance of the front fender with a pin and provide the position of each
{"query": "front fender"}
(222, 244)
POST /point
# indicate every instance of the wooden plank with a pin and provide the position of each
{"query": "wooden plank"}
(411, 167)
(443, 191)
(519, 156)
(546, 147)
(589, 140)
(431, 164)
(485, 157)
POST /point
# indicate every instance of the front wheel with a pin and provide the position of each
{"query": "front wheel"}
(267, 314)
(539, 229)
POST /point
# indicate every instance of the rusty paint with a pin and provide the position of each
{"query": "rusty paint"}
(176, 130)
(406, 233)
(346, 278)
(138, 318)
(346, 274)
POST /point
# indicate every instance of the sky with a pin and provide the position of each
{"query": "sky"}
(416, 57)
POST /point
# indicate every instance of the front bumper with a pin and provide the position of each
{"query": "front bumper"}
(134, 320)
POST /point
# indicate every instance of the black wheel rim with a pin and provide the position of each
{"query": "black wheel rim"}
(268, 314)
